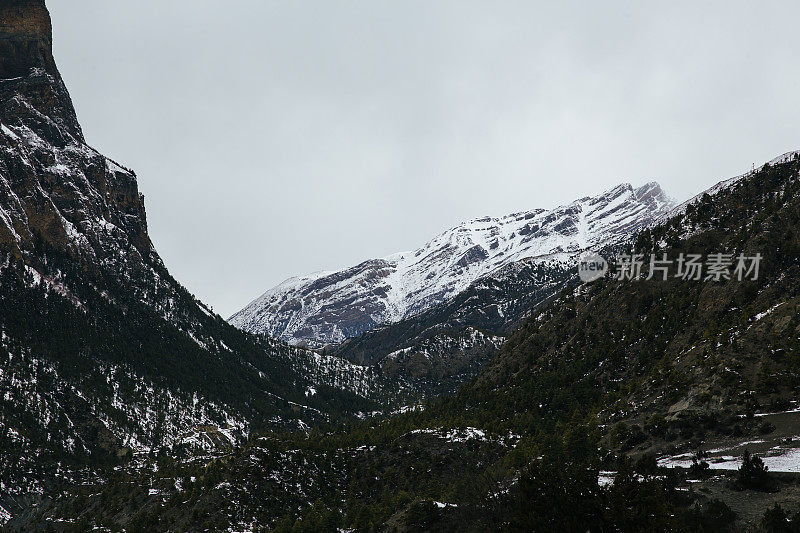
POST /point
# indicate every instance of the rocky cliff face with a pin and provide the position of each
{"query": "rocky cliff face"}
(102, 352)
(53, 186)
(26, 39)
(330, 307)
(26, 46)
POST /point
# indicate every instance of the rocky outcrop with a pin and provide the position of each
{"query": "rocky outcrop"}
(26, 39)
(53, 187)
(102, 351)
(26, 46)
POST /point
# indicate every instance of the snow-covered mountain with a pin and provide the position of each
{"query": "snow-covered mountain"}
(330, 307)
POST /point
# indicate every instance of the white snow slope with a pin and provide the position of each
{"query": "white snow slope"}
(329, 307)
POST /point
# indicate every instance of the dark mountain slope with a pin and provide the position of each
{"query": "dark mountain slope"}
(450, 343)
(649, 344)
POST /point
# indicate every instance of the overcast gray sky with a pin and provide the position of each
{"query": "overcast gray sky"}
(275, 138)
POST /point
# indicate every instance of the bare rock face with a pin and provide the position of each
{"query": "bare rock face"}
(26, 55)
(26, 39)
(53, 187)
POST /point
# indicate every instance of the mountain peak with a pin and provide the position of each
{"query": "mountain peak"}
(26, 38)
(331, 307)
(32, 92)
(651, 189)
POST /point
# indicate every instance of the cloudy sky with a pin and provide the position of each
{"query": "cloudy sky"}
(275, 138)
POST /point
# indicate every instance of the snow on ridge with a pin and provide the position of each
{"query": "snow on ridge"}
(783, 158)
(726, 184)
(333, 306)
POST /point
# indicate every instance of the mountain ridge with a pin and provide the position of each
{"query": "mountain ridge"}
(727, 183)
(332, 306)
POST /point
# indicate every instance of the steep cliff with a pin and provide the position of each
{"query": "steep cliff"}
(103, 354)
